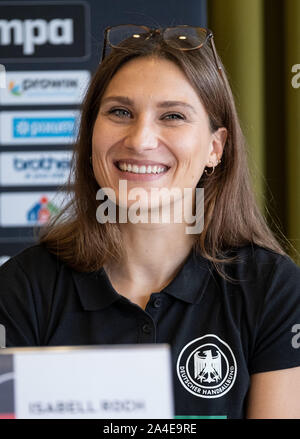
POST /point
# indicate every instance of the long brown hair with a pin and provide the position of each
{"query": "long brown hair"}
(232, 217)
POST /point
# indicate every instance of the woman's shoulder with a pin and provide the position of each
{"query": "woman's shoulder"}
(253, 261)
(269, 283)
(33, 260)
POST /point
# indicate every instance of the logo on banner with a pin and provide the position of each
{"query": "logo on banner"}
(45, 87)
(42, 211)
(38, 127)
(35, 168)
(59, 31)
(14, 88)
(41, 164)
(206, 367)
(27, 209)
(44, 127)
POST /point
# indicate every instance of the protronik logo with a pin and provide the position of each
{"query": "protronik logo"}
(15, 89)
(42, 211)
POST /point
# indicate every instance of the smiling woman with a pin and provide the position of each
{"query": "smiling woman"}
(129, 111)
(159, 116)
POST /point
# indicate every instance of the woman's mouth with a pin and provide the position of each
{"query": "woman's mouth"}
(141, 171)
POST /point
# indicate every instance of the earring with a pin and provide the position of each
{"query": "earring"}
(210, 173)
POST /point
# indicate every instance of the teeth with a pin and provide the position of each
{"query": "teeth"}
(141, 169)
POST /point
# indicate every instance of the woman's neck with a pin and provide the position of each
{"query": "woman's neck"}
(154, 254)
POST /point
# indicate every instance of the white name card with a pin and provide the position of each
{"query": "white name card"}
(111, 382)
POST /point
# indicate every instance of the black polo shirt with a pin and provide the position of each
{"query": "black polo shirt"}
(219, 332)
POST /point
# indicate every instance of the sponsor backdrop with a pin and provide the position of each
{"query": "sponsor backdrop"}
(49, 50)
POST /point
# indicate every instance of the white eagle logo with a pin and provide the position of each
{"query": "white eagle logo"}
(207, 367)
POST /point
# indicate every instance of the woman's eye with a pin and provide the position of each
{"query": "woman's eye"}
(119, 112)
(174, 116)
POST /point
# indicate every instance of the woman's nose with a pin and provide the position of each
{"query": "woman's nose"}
(142, 135)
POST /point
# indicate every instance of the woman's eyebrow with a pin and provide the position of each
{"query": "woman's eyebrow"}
(122, 99)
(164, 104)
(167, 104)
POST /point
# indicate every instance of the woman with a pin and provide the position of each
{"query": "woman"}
(159, 114)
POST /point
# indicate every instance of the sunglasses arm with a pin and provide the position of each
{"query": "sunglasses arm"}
(104, 46)
(220, 70)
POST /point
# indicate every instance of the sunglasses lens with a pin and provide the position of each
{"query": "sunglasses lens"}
(185, 37)
(119, 36)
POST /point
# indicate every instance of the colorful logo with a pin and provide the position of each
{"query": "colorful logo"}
(42, 211)
(14, 88)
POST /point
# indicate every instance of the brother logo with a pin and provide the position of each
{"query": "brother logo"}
(44, 164)
(50, 31)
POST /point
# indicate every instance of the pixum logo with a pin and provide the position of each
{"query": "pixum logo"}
(38, 127)
(43, 127)
(157, 206)
(49, 31)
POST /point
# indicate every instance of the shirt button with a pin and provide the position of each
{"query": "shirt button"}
(157, 303)
(146, 328)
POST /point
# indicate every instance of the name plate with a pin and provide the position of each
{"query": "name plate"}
(104, 382)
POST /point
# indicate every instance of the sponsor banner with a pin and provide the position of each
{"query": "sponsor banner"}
(38, 127)
(35, 168)
(44, 87)
(44, 31)
(28, 209)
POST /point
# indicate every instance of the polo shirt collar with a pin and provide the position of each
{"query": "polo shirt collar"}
(191, 280)
(96, 292)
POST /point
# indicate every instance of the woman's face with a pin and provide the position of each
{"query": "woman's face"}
(152, 130)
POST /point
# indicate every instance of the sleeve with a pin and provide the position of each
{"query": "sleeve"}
(277, 338)
(18, 313)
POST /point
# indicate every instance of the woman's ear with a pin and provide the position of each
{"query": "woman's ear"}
(217, 144)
